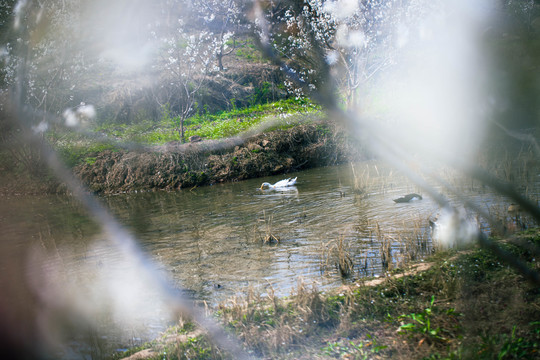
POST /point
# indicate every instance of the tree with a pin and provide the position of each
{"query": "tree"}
(55, 60)
(192, 50)
(185, 64)
(42, 65)
(6, 40)
(222, 18)
(337, 44)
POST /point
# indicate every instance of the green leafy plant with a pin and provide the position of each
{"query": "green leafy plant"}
(516, 346)
(233, 104)
(421, 323)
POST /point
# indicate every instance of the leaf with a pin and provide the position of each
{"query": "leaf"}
(408, 326)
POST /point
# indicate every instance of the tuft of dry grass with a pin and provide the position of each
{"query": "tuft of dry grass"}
(361, 181)
(337, 253)
(385, 248)
(416, 242)
(269, 237)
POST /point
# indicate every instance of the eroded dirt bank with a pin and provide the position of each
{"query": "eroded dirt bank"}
(198, 164)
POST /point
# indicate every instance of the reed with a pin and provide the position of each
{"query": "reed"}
(361, 181)
(270, 325)
(415, 242)
(385, 252)
(364, 265)
(337, 253)
(506, 219)
(385, 247)
(269, 237)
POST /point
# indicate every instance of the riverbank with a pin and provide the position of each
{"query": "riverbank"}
(177, 166)
(184, 166)
(463, 304)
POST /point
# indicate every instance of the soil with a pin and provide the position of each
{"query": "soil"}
(180, 166)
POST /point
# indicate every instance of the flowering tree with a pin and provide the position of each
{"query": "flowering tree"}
(43, 64)
(53, 61)
(184, 66)
(222, 18)
(194, 42)
(336, 44)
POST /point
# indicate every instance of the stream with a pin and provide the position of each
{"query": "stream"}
(217, 242)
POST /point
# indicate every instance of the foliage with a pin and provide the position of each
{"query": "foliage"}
(247, 50)
(77, 153)
(185, 64)
(58, 66)
(223, 124)
(434, 331)
(512, 346)
(76, 149)
(193, 348)
(225, 18)
(422, 323)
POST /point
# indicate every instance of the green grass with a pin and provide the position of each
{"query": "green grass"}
(247, 50)
(343, 349)
(208, 126)
(420, 324)
(235, 121)
(76, 149)
(145, 132)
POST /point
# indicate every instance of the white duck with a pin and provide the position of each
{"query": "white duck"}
(280, 184)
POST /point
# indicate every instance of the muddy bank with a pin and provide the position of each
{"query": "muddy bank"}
(205, 163)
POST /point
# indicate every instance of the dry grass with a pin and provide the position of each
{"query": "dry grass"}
(269, 237)
(416, 243)
(270, 325)
(338, 254)
(368, 178)
(385, 247)
(360, 180)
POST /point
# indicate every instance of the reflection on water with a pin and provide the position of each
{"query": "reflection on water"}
(211, 241)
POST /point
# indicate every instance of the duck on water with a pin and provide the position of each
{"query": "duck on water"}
(280, 184)
(407, 198)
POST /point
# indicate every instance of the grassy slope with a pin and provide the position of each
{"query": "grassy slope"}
(467, 305)
(76, 149)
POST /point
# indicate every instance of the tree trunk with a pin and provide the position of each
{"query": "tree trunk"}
(219, 56)
(182, 137)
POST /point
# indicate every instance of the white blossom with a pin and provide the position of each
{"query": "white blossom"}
(70, 118)
(41, 127)
(87, 112)
(341, 9)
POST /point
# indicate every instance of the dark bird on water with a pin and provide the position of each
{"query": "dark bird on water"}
(408, 198)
